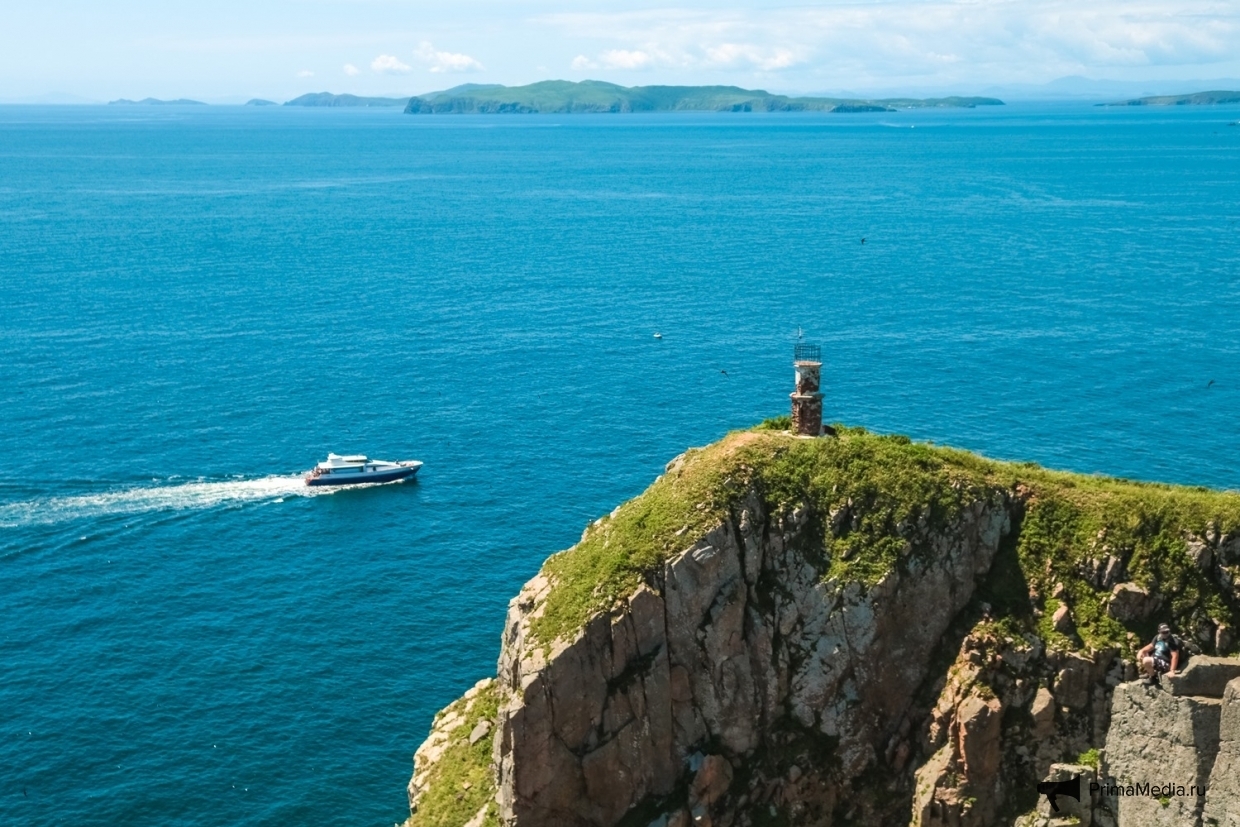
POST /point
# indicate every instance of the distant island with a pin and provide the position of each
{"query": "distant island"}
(561, 96)
(155, 102)
(260, 102)
(1194, 99)
(328, 99)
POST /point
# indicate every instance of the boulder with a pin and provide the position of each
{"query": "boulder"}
(1130, 602)
(712, 780)
(1200, 553)
(980, 725)
(1223, 797)
(1074, 682)
(1157, 738)
(1043, 712)
(1062, 619)
(1204, 676)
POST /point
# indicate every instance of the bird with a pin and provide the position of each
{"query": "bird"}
(1211, 382)
(724, 372)
(863, 240)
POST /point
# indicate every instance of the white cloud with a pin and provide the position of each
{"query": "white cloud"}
(305, 73)
(351, 70)
(748, 55)
(446, 61)
(922, 40)
(626, 59)
(388, 65)
(581, 62)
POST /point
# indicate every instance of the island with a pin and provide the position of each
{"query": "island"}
(859, 629)
(329, 99)
(260, 102)
(1193, 99)
(561, 96)
(155, 102)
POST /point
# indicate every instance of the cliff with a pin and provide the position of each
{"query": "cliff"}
(561, 96)
(850, 630)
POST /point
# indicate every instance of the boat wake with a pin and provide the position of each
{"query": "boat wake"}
(142, 500)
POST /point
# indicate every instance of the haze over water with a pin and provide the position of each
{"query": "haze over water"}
(201, 303)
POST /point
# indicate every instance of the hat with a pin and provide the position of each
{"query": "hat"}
(1163, 627)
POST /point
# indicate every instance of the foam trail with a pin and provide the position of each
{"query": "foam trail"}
(190, 495)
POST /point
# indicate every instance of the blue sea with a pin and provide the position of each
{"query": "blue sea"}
(197, 304)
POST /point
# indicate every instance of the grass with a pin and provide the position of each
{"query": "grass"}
(871, 500)
(462, 780)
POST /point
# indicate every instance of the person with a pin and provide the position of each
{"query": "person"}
(1161, 655)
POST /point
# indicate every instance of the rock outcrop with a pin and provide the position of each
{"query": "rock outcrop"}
(856, 631)
(736, 648)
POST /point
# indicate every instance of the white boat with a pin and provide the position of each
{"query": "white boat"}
(357, 469)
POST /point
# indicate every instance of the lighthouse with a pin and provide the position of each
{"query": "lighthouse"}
(806, 399)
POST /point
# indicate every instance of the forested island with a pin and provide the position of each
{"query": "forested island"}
(1193, 99)
(328, 99)
(561, 96)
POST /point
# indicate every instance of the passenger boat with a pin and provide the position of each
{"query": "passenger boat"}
(357, 469)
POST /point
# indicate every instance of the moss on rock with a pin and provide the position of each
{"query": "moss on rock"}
(460, 781)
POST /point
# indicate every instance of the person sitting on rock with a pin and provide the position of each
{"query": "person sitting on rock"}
(1161, 655)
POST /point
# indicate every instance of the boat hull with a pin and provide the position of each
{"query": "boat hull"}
(386, 475)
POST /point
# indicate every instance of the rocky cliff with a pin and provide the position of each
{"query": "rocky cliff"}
(849, 630)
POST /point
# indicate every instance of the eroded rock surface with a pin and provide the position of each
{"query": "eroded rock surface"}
(736, 646)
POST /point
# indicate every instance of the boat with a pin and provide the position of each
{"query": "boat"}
(358, 469)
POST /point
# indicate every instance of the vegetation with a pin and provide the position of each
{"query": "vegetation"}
(462, 781)
(596, 96)
(1194, 99)
(328, 99)
(872, 499)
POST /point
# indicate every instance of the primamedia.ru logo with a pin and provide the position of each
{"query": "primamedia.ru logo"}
(1111, 788)
(1166, 790)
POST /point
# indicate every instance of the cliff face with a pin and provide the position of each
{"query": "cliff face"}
(736, 656)
(861, 630)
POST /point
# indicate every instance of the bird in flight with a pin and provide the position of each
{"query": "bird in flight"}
(1211, 382)
(724, 372)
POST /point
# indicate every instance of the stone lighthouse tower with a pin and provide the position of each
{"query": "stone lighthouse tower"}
(806, 400)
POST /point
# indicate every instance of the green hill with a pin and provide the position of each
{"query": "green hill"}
(1194, 99)
(561, 96)
(328, 99)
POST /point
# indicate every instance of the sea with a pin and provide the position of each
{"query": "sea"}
(199, 303)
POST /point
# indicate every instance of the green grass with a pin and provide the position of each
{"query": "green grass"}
(881, 489)
(447, 802)
(1089, 758)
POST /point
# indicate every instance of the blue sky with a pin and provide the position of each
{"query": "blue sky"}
(232, 50)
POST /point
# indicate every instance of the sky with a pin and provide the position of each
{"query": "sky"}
(230, 50)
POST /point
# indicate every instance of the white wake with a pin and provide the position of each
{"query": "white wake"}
(142, 500)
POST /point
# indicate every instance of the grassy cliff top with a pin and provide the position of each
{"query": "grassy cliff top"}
(889, 484)
(561, 96)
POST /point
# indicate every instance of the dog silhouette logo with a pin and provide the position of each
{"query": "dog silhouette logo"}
(1053, 789)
